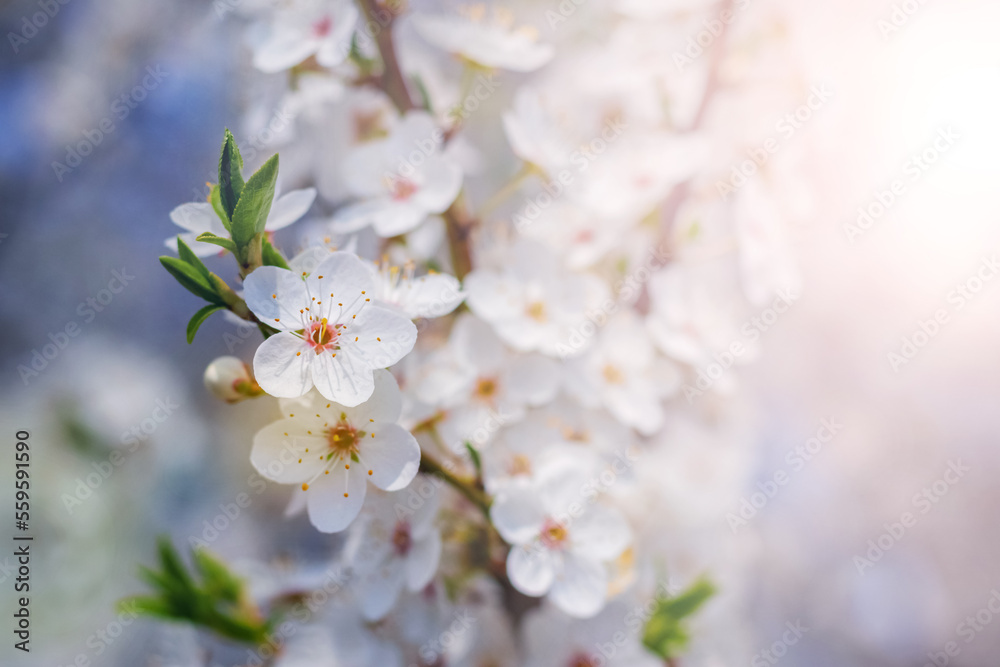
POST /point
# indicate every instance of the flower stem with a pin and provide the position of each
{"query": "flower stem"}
(431, 466)
(391, 80)
(512, 186)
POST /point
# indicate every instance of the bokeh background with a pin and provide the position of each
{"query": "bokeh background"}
(63, 237)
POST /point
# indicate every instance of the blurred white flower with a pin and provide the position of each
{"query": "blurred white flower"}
(400, 179)
(334, 450)
(299, 29)
(392, 547)
(560, 538)
(486, 41)
(430, 295)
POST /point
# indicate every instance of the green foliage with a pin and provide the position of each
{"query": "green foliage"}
(250, 214)
(210, 596)
(230, 176)
(666, 634)
(272, 257)
(196, 321)
(209, 237)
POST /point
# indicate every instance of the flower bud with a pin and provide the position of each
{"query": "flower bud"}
(230, 379)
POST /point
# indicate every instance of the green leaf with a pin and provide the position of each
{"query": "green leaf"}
(230, 175)
(209, 237)
(272, 257)
(215, 198)
(476, 460)
(250, 214)
(665, 634)
(219, 581)
(187, 255)
(199, 318)
(190, 279)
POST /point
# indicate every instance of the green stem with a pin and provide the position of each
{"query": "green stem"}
(431, 466)
(513, 185)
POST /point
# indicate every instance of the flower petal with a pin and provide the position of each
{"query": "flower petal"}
(289, 207)
(393, 456)
(517, 512)
(600, 533)
(383, 337)
(580, 588)
(422, 561)
(281, 365)
(195, 217)
(279, 453)
(342, 379)
(380, 589)
(531, 571)
(336, 499)
(275, 296)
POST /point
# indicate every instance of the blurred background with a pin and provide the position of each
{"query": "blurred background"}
(893, 339)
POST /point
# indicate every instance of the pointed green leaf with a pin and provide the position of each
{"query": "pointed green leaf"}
(230, 174)
(190, 278)
(195, 323)
(209, 237)
(215, 199)
(219, 581)
(251, 211)
(476, 460)
(665, 633)
(272, 257)
(187, 255)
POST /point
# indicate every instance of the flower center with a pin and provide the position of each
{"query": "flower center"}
(343, 440)
(323, 335)
(536, 311)
(612, 375)
(401, 189)
(581, 660)
(486, 388)
(322, 27)
(520, 465)
(402, 541)
(368, 125)
(554, 534)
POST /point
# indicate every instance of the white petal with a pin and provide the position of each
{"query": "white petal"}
(380, 589)
(393, 456)
(477, 345)
(384, 336)
(289, 207)
(395, 218)
(283, 47)
(432, 295)
(342, 379)
(442, 182)
(354, 217)
(281, 365)
(517, 512)
(600, 533)
(580, 588)
(329, 509)
(532, 379)
(277, 456)
(562, 482)
(275, 296)
(195, 217)
(384, 405)
(530, 571)
(422, 561)
(346, 276)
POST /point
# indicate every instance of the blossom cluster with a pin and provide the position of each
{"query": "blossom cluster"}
(512, 270)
